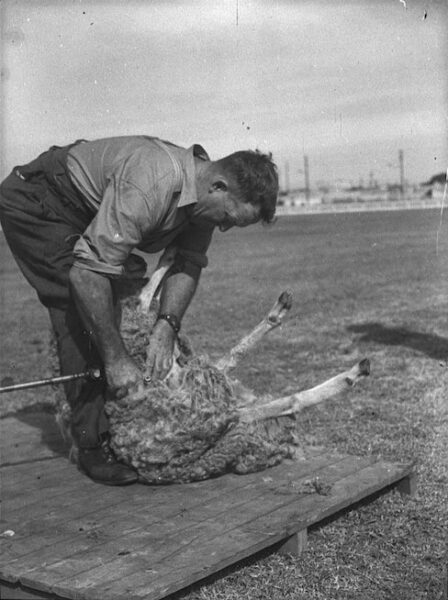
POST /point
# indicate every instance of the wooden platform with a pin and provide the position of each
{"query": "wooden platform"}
(64, 536)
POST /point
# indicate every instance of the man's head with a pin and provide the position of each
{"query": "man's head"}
(237, 190)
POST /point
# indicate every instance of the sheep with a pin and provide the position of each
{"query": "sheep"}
(199, 422)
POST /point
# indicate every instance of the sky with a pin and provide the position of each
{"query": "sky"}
(347, 83)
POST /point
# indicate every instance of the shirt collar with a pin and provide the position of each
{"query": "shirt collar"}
(188, 194)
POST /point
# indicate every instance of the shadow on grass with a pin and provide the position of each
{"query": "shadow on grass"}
(430, 344)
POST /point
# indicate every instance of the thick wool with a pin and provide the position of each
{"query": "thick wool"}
(189, 430)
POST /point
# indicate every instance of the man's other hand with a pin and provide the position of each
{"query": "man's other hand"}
(123, 376)
(159, 356)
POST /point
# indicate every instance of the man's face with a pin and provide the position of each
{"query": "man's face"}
(239, 214)
(222, 208)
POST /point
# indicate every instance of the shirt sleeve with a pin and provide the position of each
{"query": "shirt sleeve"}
(126, 215)
(193, 243)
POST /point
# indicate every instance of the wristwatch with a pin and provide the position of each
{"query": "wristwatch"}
(172, 320)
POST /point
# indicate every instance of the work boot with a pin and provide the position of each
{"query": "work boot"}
(101, 465)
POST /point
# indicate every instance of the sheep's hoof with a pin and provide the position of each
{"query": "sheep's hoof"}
(364, 367)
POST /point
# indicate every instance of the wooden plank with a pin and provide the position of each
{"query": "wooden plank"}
(408, 485)
(57, 531)
(170, 504)
(21, 486)
(345, 492)
(17, 427)
(76, 539)
(18, 592)
(196, 563)
(35, 438)
(233, 542)
(72, 489)
(61, 515)
(215, 543)
(90, 529)
(135, 565)
(53, 511)
(16, 454)
(29, 472)
(165, 513)
(42, 487)
(48, 481)
(60, 528)
(295, 544)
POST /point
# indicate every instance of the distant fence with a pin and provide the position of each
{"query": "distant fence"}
(374, 205)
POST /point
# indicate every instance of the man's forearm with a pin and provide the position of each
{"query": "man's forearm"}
(178, 292)
(92, 293)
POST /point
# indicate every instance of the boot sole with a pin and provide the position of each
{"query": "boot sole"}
(109, 482)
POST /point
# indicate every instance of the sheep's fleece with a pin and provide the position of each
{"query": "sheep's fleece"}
(189, 431)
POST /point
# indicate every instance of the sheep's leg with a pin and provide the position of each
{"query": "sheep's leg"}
(296, 402)
(271, 321)
(150, 289)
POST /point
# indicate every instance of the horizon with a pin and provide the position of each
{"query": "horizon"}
(348, 85)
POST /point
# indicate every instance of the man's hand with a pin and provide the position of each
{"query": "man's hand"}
(159, 355)
(123, 376)
(94, 299)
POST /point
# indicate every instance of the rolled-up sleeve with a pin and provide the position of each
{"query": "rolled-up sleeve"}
(193, 243)
(125, 217)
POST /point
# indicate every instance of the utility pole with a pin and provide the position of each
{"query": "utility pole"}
(401, 161)
(307, 177)
(287, 177)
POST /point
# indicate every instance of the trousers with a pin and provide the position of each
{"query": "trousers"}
(42, 215)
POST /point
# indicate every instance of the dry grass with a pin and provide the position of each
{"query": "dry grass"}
(364, 285)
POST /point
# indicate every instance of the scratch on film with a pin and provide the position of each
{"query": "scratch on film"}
(439, 230)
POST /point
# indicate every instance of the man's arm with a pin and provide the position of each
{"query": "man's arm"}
(177, 294)
(178, 291)
(92, 293)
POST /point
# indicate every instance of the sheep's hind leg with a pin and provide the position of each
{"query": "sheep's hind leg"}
(296, 402)
(272, 320)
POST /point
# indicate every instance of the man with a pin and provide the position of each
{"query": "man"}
(72, 218)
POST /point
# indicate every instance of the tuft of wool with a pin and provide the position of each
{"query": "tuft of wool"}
(188, 430)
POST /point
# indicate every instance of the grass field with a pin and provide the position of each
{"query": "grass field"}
(365, 285)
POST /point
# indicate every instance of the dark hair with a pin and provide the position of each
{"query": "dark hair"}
(256, 176)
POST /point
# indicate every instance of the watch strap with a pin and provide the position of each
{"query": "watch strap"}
(172, 320)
